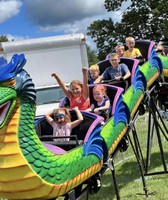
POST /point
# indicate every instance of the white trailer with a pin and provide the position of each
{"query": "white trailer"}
(65, 55)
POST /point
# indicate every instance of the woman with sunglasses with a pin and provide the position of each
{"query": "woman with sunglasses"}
(160, 49)
(60, 120)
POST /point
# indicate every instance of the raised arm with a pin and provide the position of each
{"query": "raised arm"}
(79, 118)
(85, 83)
(49, 118)
(62, 85)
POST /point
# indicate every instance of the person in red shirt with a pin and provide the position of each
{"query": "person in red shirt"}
(78, 94)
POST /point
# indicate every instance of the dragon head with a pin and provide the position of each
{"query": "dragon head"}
(14, 82)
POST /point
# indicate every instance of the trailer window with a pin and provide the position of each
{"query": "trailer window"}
(49, 95)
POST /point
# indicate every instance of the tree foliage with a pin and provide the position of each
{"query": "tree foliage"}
(3, 38)
(103, 34)
(92, 57)
(145, 19)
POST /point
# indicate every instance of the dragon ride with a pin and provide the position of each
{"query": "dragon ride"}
(31, 169)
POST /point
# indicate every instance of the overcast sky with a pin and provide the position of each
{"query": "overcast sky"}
(21, 19)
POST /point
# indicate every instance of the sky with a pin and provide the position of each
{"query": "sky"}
(25, 19)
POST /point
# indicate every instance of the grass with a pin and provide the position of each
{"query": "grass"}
(128, 174)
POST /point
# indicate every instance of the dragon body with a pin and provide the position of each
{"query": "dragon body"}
(28, 170)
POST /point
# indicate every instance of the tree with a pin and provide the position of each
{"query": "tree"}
(3, 38)
(145, 19)
(103, 34)
(92, 58)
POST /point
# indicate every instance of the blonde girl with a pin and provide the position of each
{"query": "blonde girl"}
(78, 94)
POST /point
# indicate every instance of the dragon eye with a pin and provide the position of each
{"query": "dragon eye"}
(9, 83)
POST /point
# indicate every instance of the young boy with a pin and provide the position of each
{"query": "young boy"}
(94, 73)
(116, 71)
(120, 49)
(132, 52)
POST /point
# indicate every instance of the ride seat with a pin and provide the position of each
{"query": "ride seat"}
(87, 126)
(145, 47)
(78, 135)
(113, 93)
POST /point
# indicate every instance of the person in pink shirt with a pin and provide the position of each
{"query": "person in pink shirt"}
(60, 120)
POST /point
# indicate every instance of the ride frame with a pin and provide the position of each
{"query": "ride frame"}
(154, 127)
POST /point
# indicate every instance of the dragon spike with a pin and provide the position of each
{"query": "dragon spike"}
(9, 70)
(24, 86)
(3, 61)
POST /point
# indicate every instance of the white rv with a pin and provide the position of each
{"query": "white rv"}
(65, 55)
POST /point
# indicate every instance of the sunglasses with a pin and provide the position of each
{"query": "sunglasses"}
(159, 51)
(59, 116)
